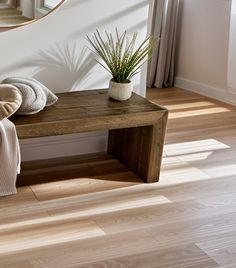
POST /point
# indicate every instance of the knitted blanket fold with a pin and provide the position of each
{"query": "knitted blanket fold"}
(9, 158)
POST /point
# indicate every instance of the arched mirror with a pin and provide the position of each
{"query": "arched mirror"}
(14, 13)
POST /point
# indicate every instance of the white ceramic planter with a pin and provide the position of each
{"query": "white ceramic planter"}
(120, 91)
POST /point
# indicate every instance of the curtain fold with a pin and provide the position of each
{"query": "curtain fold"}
(164, 27)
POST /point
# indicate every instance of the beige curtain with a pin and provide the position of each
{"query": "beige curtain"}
(164, 28)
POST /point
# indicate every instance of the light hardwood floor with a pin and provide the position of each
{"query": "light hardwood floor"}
(11, 16)
(92, 212)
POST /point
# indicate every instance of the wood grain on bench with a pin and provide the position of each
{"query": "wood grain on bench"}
(136, 127)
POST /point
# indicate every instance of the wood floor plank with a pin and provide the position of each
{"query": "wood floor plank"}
(233, 265)
(188, 256)
(16, 264)
(173, 217)
(196, 188)
(114, 200)
(120, 201)
(24, 196)
(11, 16)
(222, 250)
(80, 186)
(130, 201)
(83, 206)
(44, 234)
(56, 178)
(79, 252)
(164, 213)
(92, 212)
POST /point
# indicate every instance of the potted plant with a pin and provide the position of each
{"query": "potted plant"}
(121, 59)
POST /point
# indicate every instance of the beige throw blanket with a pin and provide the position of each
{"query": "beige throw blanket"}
(9, 157)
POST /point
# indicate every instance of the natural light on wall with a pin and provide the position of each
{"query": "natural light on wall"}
(233, 7)
(51, 3)
(232, 49)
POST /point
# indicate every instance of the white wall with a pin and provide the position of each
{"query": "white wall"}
(27, 7)
(202, 50)
(53, 49)
(232, 50)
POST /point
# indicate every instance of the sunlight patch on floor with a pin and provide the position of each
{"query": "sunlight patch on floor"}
(196, 104)
(177, 166)
(116, 205)
(208, 145)
(177, 172)
(195, 156)
(198, 112)
(73, 212)
(222, 170)
(47, 235)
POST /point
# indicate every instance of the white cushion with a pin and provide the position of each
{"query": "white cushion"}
(35, 96)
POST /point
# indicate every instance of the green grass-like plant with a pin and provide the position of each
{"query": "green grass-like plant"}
(122, 59)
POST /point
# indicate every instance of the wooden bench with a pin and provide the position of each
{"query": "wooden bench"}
(136, 127)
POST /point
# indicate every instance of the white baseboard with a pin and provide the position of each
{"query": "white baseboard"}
(60, 146)
(221, 94)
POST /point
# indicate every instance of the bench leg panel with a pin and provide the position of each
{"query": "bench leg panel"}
(140, 149)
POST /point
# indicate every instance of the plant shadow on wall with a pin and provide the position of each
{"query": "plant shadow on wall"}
(67, 66)
(71, 62)
(67, 62)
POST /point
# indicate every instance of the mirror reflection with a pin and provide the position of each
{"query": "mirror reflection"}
(18, 12)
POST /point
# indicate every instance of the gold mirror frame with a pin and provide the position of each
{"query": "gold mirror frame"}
(8, 27)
